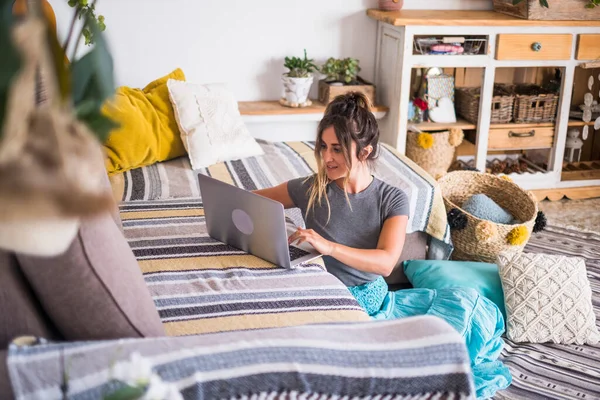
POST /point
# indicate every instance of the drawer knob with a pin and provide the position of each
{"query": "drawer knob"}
(537, 46)
(531, 133)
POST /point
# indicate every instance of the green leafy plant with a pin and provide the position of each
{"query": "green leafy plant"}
(84, 84)
(341, 70)
(544, 3)
(87, 11)
(300, 67)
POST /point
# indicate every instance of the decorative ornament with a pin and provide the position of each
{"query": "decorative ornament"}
(456, 137)
(540, 222)
(485, 231)
(425, 140)
(457, 219)
(518, 236)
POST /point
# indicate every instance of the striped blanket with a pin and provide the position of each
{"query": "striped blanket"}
(554, 371)
(200, 285)
(281, 162)
(415, 358)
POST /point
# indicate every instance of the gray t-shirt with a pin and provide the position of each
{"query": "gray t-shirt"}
(358, 227)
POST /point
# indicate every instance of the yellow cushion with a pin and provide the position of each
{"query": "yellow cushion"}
(148, 132)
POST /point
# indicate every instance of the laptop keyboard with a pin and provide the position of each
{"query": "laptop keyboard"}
(296, 253)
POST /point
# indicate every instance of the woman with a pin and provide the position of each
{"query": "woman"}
(355, 220)
(359, 224)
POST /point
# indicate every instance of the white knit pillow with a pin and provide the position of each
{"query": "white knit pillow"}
(210, 124)
(548, 299)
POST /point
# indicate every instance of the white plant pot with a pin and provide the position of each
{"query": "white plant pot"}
(295, 90)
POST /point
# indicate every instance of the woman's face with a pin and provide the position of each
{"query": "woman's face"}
(332, 155)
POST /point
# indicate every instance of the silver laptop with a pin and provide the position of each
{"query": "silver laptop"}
(252, 223)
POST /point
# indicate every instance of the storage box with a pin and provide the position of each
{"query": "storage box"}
(328, 92)
(566, 10)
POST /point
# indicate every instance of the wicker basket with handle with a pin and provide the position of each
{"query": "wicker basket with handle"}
(534, 104)
(468, 99)
(482, 240)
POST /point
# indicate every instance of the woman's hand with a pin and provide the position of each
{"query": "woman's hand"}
(317, 241)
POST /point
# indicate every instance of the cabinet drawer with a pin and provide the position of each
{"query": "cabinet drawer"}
(521, 138)
(588, 47)
(534, 47)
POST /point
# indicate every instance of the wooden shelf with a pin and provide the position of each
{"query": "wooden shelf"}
(514, 125)
(466, 148)
(434, 126)
(273, 107)
(462, 18)
(574, 122)
(580, 170)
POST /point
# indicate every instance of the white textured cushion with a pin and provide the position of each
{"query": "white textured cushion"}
(548, 299)
(210, 124)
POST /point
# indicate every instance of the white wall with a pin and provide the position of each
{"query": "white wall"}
(240, 42)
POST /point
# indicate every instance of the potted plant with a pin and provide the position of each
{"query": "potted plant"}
(342, 77)
(297, 82)
(550, 9)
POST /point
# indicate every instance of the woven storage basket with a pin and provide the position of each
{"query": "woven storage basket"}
(435, 159)
(482, 240)
(534, 104)
(467, 104)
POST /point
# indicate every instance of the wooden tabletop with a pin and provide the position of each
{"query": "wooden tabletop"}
(274, 108)
(462, 17)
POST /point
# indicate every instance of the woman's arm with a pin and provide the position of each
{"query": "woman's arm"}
(278, 193)
(381, 260)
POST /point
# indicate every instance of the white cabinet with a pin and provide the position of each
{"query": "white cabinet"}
(513, 49)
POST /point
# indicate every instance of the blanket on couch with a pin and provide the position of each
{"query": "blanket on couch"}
(200, 285)
(281, 162)
(416, 358)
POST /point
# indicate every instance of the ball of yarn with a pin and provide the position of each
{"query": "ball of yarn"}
(481, 206)
(540, 222)
(425, 140)
(518, 236)
(485, 231)
(457, 219)
(456, 137)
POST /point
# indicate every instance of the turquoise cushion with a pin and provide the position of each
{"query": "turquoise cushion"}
(481, 206)
(440, 274)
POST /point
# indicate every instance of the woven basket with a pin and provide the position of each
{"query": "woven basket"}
(534, 104)
(467, 104)
(482, 240)
(435, 159)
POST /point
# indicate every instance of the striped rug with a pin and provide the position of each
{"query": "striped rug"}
(200, 285)
(553, 371)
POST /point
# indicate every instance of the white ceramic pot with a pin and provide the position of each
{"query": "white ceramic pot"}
(295, 90)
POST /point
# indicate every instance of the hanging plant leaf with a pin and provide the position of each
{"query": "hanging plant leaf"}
(90, 113)
(93, 84)
(93, 73)
(10, 64)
